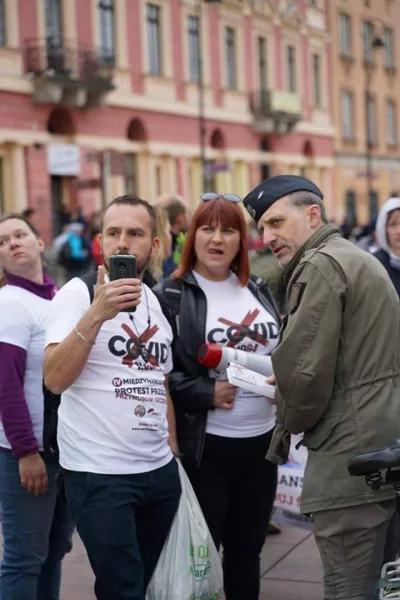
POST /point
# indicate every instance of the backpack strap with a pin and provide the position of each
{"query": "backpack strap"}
(90, 280)
(169, 293)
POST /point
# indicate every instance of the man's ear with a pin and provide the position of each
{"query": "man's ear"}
(314, 215)
(155, 246)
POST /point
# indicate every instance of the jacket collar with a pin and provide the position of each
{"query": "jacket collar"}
(190, 278)
(315, 241)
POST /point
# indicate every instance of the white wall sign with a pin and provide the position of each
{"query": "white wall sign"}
(63, 159)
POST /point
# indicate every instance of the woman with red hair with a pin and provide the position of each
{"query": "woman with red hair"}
(224, 432)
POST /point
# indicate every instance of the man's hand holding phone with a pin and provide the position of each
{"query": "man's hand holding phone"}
(113, 297)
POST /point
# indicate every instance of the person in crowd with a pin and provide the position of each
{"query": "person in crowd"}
(337, 377)
(116, 431)
(388, 238)
(95, 249)
(165, 237)
(224, 432)
(28, 213)
(387, 235)
(178, 219)
(36, 524)
(75, 253)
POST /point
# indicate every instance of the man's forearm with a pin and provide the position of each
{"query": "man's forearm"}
(64, 361)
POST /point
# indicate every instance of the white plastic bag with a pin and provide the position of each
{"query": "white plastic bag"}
(189, 567)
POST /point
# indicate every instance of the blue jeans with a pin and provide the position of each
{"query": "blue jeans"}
(37, 532)
(123, 521)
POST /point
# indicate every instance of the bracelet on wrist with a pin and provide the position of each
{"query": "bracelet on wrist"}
(83, 338)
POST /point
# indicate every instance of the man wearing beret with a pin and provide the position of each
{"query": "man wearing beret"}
(337, 373)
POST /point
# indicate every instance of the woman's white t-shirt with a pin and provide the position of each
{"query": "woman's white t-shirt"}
(113, 418)
(23, 324)
(232, 311)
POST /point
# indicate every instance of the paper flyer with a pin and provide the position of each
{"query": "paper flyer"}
(290, 484)
(249, 380)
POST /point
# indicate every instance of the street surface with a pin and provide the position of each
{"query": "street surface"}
(290, 569)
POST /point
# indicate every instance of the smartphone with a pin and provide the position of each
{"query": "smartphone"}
(123, 266)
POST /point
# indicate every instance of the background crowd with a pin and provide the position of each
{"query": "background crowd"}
(77, 249)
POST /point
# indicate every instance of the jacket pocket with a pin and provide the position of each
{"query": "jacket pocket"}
(315, 437)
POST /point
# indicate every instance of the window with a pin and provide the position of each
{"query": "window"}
(291, 68)
(131, 186)
(55, 56)
(345, 41)
(230, 46)
(2, 198)
(193, 26)
(347, 115)
(391, 123)
(351, 208)
(154, 39)
(317, 91)
(3, 37)
(105, 10)
(373, 202)
(158, 182)
(262, 63)
(265, 171)
(368, 37)
(53, 23)
(388, 39)
(371, 119)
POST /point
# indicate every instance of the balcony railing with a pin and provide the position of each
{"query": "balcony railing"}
(66, 74)
(64, 61)
(275, 110)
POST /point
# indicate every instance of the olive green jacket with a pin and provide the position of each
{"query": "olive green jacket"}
(337, 367)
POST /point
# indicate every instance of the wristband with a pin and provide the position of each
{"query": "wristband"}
(78, 333)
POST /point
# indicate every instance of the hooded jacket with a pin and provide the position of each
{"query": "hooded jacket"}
(337, 367)
(384, 254)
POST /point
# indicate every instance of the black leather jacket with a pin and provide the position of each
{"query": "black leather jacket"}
(191, 388)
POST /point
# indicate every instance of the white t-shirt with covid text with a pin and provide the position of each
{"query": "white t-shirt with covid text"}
(235, 318)
(113, 418)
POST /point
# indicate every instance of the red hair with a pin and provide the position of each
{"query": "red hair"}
(227, 215)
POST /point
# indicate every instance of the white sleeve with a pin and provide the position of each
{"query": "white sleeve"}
(16, 324)
(168, 364)
(66, 309)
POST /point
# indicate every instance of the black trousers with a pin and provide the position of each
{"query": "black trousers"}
(236, 486)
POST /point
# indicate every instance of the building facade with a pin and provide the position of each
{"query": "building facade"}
(366, 92)
(104, 97)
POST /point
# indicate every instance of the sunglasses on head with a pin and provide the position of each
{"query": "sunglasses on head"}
(214, 196)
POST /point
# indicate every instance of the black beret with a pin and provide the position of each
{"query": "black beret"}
(270, 190)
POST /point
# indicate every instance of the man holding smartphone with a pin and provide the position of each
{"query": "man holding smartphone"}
(116, 432)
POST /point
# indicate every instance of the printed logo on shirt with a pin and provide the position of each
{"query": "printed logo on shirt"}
(235, 335)
(140, 411)
(141, 389)
(139, 350)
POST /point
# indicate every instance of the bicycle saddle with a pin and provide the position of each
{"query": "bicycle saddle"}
(371, 462)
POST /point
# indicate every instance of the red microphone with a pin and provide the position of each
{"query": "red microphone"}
(217, 357)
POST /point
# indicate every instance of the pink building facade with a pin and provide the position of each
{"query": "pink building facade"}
(103, 98)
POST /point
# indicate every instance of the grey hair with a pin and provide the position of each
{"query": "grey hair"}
(305, 198)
